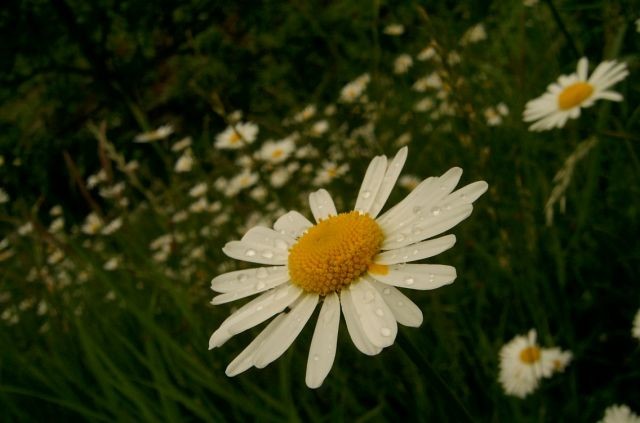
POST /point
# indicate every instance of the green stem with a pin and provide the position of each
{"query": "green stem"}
(563, 29)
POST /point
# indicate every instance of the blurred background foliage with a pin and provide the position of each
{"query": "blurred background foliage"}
(79, 80)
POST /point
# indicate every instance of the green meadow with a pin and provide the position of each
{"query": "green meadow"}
(117, 197)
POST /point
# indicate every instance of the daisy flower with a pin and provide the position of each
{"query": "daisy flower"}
(565, 98)
(619, 414)
(523, 363)
(234, 137)
(277, 151)
(350, 262)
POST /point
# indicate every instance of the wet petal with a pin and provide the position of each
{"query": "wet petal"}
(321, 205)
(323, 345)
(417, 276)
(378, 323)
(287, 331)
(371, 184)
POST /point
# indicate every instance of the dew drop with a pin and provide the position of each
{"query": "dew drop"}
(260, 286)
(435, 211)
(400, 238)
(379, 312)
(366, 194)
(386, 291)
(316, 357)
(262, 273)
(432, 277)
(415, 252)
(250, 252)
(368, 297)
(242, 278)
(259, 308)
(417, 209)
(385, 332)
(267, 254)
(409, 281)
(280, 244)
(463, 196)
(400, 303)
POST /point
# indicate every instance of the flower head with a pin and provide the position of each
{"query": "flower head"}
(619, 414)
(235, 136)
(565, 98)
(350, 262)
(523, 363)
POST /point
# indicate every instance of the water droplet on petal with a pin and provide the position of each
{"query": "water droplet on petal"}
(316, 357)
(260, 286)
(250, 252)
(366, 194)
(368, 297)
(409, 281)
(260, 307)
(435, 211)
(386, 291)
(379, 312)
(262, 273)
(432, 277)
(400, 303)
(400, 238)
(280, 244)
(242, 278)
(267, 254)
(385, 332)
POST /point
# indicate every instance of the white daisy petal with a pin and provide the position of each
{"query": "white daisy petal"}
(244, 360)
(403, 309)
(417, 251)
(388, 182)
(417, 276)
(609, 95)
(378, 323)
(287, 331)
(255, 253)
(583, 68)
(465, 195)
(371, 184)
(428, 197)
(354, 325)
(242, 279)
(292, 223)
(321, 205)
(258, 285)
(426, 224)
(323, 345)
(268, 238)
(255, 312)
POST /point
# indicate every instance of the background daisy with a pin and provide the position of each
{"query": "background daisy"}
(565, 98)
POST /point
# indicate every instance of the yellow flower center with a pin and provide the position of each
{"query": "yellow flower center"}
(530, 355)
(234, 137)
(574, 94)
(335, 252)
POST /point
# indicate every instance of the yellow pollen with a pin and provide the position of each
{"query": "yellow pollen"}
(234, 137)
(530, 355)
(378, 269)
(277, 153)
(574, 94)
(335, 252)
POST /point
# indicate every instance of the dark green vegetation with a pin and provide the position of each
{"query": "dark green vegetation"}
(80, 342)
